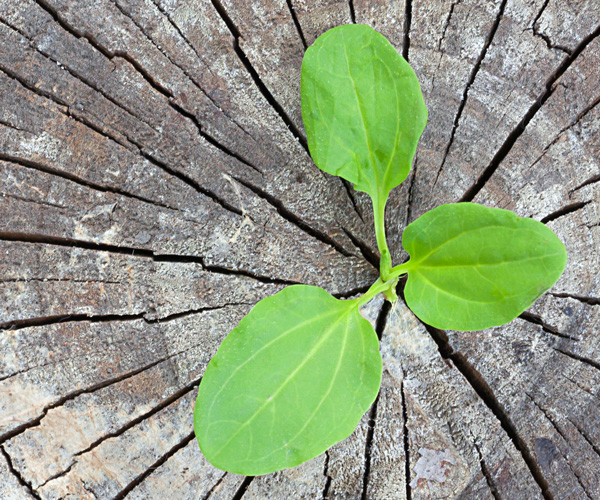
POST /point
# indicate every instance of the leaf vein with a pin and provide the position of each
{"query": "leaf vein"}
(315, 348)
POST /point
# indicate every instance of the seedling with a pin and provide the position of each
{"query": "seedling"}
(299, 371)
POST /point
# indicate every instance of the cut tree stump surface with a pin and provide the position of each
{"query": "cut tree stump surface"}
(155, 184)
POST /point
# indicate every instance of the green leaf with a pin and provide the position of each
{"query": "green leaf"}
(474, 267)
(292, 379)
(362, 108)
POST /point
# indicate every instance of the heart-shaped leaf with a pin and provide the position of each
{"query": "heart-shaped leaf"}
(362, 108)
(474, 267)
(292, 379)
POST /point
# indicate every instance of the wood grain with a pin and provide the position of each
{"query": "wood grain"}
(155, 184)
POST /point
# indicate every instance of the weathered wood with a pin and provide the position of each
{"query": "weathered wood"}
(11, 487)
(516, 75)
(49, 281)
(427, 396)
(49, 206)
(164, 125)
(155, 184)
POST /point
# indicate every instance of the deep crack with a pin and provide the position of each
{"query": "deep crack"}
(470, 82)
(140, 479)
(20, 479)
(512, 138)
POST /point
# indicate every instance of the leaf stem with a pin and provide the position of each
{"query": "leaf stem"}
(400, 269)
(376, 288)
(385, 264)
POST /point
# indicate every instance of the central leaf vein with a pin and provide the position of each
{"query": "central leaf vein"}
(306, 359)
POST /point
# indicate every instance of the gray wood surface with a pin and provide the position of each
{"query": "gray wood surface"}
(155, 184)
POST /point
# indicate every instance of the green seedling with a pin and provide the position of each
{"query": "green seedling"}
(299, 371)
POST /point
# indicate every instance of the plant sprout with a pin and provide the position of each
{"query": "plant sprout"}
(299, 371)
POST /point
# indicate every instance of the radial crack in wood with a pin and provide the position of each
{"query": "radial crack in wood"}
(155, 184)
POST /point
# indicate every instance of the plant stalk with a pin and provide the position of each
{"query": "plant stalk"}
(400, 269)
(385, 264)
(376, 288)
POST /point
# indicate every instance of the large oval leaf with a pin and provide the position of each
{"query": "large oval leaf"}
(474, 267)
(292, 379)
(362, 108)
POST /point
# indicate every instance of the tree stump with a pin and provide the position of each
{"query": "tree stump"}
(155, 184)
